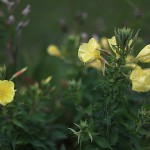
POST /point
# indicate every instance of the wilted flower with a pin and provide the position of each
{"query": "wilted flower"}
(18, 73)
(63, 25)
(89, 52)
(7, 92)
(54, 50)
(144, 54)
(140, 79)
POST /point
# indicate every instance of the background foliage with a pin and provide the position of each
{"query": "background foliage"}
(41, 113)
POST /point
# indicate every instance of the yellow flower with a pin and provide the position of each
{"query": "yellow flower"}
(95, 64)
(54, 50)
(144, 54)
(7, 92)
(89, 52)
(140, 79)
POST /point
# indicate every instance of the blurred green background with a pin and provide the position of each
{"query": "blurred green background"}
(101, 17)
(76, 89)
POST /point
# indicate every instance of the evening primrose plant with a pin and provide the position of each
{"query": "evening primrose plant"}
(26, 112)
(115, 124)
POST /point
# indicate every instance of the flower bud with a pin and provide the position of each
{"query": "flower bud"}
(54, 50)
(26, 10)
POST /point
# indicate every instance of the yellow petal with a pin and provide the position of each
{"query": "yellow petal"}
(111, 42)
(144, 55)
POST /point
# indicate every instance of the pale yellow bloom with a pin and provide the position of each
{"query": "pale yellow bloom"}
(54, 50)
(140, 79)
(144, 54)
(89, 52)
(7, 92)
(95, 64)
(112, 41)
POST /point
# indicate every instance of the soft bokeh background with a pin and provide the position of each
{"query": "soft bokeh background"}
(76, 91)
(101, 17)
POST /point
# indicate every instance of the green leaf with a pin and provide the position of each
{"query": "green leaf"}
(102, 142)
(114, 138)
(18, 123)
(62, 147)
(38, 143)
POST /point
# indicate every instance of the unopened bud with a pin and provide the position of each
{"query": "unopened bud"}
(22, 24)
(19, 73)
(5, 1)
(1, 13)
(63, 25)
(11, 6)
(47, 80)
(84, 37)
(26, 10)
(11, 20)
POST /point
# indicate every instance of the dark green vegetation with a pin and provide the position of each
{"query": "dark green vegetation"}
(104, 108)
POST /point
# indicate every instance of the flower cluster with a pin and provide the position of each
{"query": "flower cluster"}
(121, 45)
(141, 77)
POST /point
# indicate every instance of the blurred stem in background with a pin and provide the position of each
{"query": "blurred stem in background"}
(12, 32)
